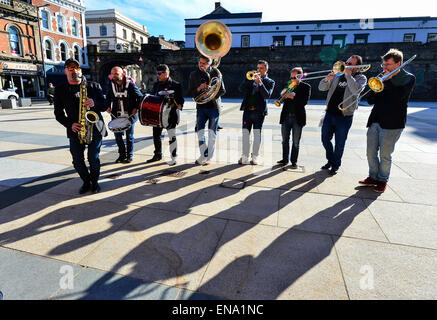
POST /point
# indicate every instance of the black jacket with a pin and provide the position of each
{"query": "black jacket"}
(390, 105)
(303, 93)
(133, 100)
(66, 106)
(263, 93)
(170, 84)
(198, 77)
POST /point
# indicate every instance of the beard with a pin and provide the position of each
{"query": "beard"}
(76, 77)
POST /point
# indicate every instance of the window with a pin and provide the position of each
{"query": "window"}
(124, 34)
(432, 37)
(48, 49)
(63, 50)
(361, 38)
(134, 37)
(317, 40)
(87, 30)
(77, 53)
(297, 40)
(74, 28)
(279, 41)
(60, 21)
(409, 37)
(245, 41)
(339, 40)
(103, 31)
(14, 41)
(141, 39)
(104, 45)
(45, 19)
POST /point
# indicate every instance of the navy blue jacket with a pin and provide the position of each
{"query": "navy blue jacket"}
(263, 93)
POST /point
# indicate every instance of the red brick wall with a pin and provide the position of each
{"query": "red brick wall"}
(68, 14)
(27, 44)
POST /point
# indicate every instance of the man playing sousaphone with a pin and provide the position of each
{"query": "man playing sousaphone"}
(293, 116)
(167, 86)
(122, 100)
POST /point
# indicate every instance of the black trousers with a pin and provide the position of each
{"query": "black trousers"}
(171, 131)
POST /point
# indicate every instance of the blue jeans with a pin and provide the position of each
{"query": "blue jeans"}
(255, 120)
(212, 116)
(77, 151)
(382, 140)
(129, 141)
(290, 125)
(339, 126)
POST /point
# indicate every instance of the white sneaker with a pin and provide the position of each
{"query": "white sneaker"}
(201, 161)
(244, 160)
(254, 160)
(173, 161)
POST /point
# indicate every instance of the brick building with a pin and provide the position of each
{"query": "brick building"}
(20, 49)
(62, 24)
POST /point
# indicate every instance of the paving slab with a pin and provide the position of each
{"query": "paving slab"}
(160, 247)
(382, 271)
(328, 214)
(305, 265)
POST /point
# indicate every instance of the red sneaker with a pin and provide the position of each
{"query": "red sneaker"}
(369, 182)
(381, 186)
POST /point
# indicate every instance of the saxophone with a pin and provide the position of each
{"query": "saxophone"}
(87, 118)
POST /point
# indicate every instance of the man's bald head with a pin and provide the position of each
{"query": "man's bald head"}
(117, 74)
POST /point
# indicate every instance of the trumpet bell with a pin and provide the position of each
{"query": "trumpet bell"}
(250, 75)
(376, 84)
(213, 39)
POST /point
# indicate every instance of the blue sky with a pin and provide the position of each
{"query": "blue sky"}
(164, 17)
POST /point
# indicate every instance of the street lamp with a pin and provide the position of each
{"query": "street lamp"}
(41, 46)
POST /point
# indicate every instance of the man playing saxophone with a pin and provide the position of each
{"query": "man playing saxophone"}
(70, 105)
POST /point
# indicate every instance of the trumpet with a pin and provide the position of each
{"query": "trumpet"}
(338, 68)
(375, 84)
(250, 75)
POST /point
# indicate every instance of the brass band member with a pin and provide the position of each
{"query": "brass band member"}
(166, 83)
(336, 121)
(122, 100)
(67, 105)
(387, 119)
(209, 111)
(293, 116)
(254, 107)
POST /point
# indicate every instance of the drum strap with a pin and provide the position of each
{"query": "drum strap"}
(121, 98)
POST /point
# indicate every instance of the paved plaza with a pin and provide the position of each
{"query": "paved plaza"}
(221, 231)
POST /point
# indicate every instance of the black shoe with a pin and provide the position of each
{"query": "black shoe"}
(85, 188)
(333, 171)
(219, 128)
(154, 159)
(120, 159)
(282, 162)
(95, 188)
(293, 166)
(127, 160)
(326, 166)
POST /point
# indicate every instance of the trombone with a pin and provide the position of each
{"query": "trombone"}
(376, 84)
(338, 68)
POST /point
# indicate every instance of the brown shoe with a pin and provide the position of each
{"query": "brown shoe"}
(380, 187)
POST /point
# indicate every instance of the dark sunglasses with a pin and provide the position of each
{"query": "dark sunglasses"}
(158, 73)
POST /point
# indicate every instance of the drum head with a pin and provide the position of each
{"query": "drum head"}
(119, 124)
(165, 92)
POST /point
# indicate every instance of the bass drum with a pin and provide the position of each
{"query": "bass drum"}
(154, 111)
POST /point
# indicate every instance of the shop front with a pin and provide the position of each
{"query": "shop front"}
(23, 78)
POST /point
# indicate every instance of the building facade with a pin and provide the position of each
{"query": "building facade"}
(248, 30)
(20, 49)
(62, 24)
(112, 31)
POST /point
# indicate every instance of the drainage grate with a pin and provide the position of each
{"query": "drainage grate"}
(233, 184)
(204, 172)
(115, 176)
(152, 181)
